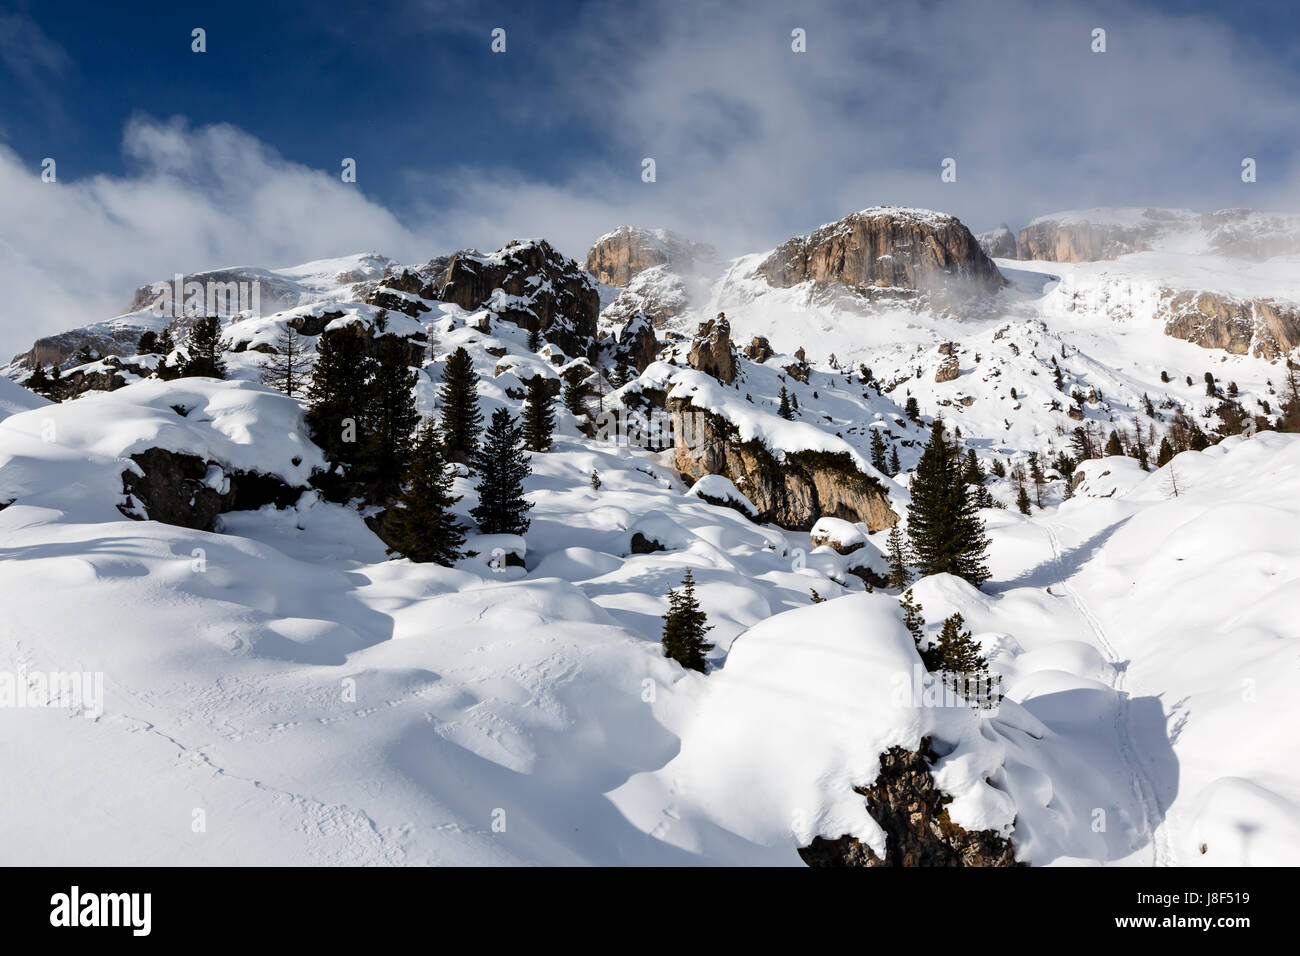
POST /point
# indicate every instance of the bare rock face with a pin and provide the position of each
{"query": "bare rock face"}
(539, 284)
(616, 258)
(1000, 243)
(711, 350)
(1267, 328)
(886, 248)
(918, 831)
(793, 492)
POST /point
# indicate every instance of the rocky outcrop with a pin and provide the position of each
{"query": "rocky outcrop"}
(712, 351)
(793, 491)
(616, 258)
(657, 294)
(187, 491)
(912, 811)
(886, 247)
(536, 283)
(1266, 328)
(1000, 243)
(107, 375)
(759, 349)
(948, 369)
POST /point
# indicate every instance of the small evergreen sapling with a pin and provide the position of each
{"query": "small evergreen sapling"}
(685, 625)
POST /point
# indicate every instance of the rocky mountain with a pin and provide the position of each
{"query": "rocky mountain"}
(1107, 233)
(619, 256)
(886, 248)
(1000, 243)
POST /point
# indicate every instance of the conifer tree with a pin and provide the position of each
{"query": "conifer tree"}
(148, 343)
(203, 351)
(621, 374)
(538, 415)
(972, 471)
(878, 460)
(1289, 419)
(1022, 500)
(685, 625)
(576, 389)
(1037, 477)
(999, 468)
(794, 402)
(166, 340)
(502, 468)
(894, 466)
(285, 369)
(911, 409)
(595, 480)
(391, 416)
(783, 406)
(896, 556)
(38, 381)
(422, 526)
(816, 598)
(959, 659)
(336, 395)
(56, 381)
(1165, 454)
(945, 530)
(1113, 447)
(534, 336)
(914, 621)
(461, 421)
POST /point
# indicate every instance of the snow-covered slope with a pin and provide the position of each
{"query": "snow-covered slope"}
(278, 690)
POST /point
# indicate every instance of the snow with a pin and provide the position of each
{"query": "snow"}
(322, 703)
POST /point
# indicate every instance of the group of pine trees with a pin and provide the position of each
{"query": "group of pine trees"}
(362, 412)
(956, 657)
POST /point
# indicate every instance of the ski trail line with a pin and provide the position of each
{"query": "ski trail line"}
(1143, 788)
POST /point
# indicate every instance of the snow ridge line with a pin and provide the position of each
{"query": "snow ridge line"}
(1143, 788)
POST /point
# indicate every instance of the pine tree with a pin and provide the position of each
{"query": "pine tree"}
(391, 416)
(911, 409)
(896, 556)
(576, 389)
(336, 395)
(1022, 500)
(1165, 454)
(166, 340)
(794, 403)
(422, 526)
(878, 461)
(1113, 447)
(914, 621)
(685, 625)
(285, 369)
(38, 381)
(203, 351)
(538, 415)
(148, 343)
(461, 421)
(1059, 379)
(1037, 477)
(1289, 417)
(534, 336)
(959, 659)
(972, 472)
(621, 375)
(595, 480)
(999, 468)
(783, 408)
(502, 468)
(894, 466)
(946, 532)
(816, 598)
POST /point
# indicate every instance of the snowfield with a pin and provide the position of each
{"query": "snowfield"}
(280, 691)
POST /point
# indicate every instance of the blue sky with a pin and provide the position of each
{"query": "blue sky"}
(170, 160)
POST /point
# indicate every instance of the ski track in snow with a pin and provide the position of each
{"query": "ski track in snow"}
(1143, 788)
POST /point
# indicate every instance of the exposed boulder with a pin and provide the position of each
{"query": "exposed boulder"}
(918, 831)
(186, 490)
(886, 248)
(618, 257)
(759, 349)
(793, 491)
(948, 369)
(712, 351)
(844, 536)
